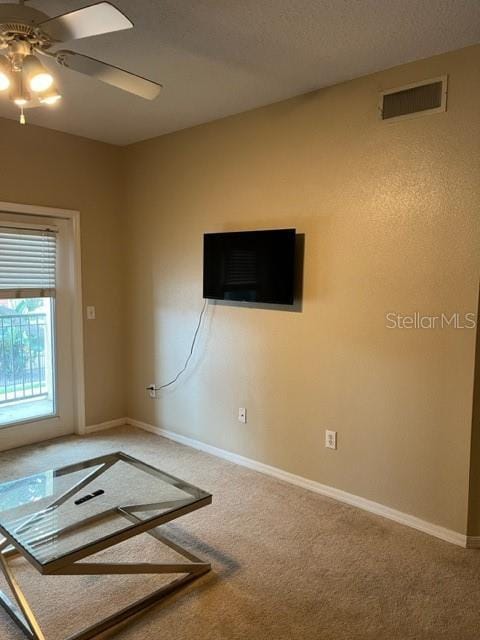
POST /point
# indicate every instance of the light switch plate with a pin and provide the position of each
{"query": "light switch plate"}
(90, 313)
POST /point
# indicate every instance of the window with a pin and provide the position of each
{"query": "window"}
(27, 312)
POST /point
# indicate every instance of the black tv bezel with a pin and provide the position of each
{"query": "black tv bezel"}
(291, 300)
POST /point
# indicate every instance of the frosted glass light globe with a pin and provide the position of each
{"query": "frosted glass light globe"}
(41, 82)
(4, 81)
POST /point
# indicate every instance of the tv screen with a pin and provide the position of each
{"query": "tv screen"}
(250, 266)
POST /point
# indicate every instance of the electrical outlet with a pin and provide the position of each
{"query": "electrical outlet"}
(331, 439)
(151, 390)
(242, 415)
(90, 313)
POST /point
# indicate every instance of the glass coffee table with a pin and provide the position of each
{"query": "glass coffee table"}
(58, 518)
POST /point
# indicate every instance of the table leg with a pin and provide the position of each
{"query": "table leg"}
(22, 615)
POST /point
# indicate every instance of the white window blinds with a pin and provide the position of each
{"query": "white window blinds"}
(27, 263)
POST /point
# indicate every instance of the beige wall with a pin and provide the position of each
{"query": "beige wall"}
(474, 495)
(390, 214)
(43, 167)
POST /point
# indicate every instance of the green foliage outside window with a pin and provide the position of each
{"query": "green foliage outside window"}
(22, 345)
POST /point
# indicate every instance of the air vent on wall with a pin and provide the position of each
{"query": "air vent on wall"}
(418, 99)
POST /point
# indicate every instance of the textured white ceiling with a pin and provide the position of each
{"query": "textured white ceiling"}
(220, 57)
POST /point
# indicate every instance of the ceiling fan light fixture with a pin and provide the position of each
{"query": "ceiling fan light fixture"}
(5, 71)
(39, 79)
(28, 35)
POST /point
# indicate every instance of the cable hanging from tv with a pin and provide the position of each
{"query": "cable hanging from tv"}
(153, 387)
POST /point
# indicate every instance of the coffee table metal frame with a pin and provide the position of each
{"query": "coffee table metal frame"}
(21, 612)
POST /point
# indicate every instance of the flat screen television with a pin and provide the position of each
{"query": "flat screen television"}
(250, 266)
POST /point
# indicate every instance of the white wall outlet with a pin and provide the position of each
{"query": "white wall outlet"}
(331, 439)
(151, 390)
(242, 415)
(90, 313)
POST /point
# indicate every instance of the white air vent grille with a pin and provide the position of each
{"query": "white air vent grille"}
(421, 98)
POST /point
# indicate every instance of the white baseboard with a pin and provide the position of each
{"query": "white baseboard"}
(118, 422)
(325, 490)
(473, 542)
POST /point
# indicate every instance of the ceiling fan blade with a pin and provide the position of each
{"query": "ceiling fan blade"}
(94, 20)
(108, 73)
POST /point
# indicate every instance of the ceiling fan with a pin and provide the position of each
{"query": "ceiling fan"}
(27, 34)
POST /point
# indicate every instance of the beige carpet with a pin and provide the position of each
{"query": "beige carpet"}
(287, 563)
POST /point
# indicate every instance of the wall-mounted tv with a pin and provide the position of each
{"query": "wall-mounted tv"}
(250, 266)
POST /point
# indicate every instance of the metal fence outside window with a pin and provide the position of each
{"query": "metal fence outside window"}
(22, 357)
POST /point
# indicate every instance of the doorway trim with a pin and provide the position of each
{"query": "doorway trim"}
(77, 305)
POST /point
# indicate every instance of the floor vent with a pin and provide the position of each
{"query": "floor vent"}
(419, 99)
